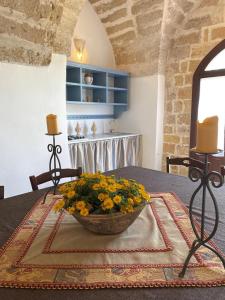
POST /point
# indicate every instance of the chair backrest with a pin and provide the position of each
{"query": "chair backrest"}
(1, 192)
(47, 176)
(222, 170)
(183, 161)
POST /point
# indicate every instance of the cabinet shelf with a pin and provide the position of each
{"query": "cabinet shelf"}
(91, 86)
(109, 87)
(72, 84)
(117, 89)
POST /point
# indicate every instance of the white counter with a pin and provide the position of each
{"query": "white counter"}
(103, 136)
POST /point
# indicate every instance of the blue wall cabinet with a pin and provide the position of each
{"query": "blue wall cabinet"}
(109, 87)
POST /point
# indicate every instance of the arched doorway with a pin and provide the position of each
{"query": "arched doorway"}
(208, 97)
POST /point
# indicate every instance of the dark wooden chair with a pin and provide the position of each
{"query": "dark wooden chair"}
(47, 176)
(1, 192)
(222, 170)
(183, 161)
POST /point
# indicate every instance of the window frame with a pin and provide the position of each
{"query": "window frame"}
(198, 75)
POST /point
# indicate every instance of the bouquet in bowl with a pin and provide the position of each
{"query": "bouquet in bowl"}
(97, 194)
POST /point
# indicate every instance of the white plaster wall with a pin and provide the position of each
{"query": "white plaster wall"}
(159, 122)
(27, 95)
(99, 52)
(145, 116)
(98, 47)
(102, 124)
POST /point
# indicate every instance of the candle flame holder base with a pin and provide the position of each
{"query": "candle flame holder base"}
(54, 164)
(217, 180)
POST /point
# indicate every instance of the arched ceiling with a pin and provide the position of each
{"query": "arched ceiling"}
(139, 30)
(175, 13)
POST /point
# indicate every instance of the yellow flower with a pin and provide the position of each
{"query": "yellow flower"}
(61, 188)
(111, 181)
(100, 176)
(123, 209)
(96, 186)
(126, 182)
(85, 175)
(102, 196)
(141, 187)
(81, 182)
(118, 186)
(103, 184)
(145, 195)
(80, 205)
(84, 212)
(130, 201)
(59, 205)
(111, 188)
(71, 210)
(71, 194)
(107, 204)
(74, 184)
(137, 200)
(117, 199)
(130, 208)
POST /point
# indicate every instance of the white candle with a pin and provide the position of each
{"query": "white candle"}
(207, 135)
(52, 124)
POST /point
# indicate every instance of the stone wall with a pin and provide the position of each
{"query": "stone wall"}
(201, 31)
(31, 30)
(65, 29)
(27, 30)
(139, 30)
(134, 30)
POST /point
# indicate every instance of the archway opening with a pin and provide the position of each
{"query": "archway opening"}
(209, 96)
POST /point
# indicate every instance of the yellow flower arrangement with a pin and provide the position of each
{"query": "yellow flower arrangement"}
(100, 194)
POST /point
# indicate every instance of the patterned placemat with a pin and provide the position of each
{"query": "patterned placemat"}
(54, 251)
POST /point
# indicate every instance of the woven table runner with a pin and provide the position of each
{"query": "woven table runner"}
(54, 251)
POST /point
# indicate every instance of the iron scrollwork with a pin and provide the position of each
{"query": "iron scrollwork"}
(54, 165)
(206, 178)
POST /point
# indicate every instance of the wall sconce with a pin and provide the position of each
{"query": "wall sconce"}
(79, 45)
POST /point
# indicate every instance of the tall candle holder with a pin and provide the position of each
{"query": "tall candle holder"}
(54, 163)
(206, 177)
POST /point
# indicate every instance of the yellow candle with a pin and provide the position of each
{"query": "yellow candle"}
(207, 135)
(52, 124)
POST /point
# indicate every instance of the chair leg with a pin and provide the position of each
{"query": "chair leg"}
(1, 192)
(167, 164)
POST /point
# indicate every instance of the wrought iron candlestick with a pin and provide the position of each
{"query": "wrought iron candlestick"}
(54, 163)
(216, 179)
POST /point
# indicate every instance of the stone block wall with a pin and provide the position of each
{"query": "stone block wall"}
(134, 28)
(31, 30)
(139, 30)
(201, 31)
(27, 30)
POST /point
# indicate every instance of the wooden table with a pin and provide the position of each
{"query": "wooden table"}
(12, 211)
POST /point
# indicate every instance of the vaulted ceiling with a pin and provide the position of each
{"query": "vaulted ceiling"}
(140, 30)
